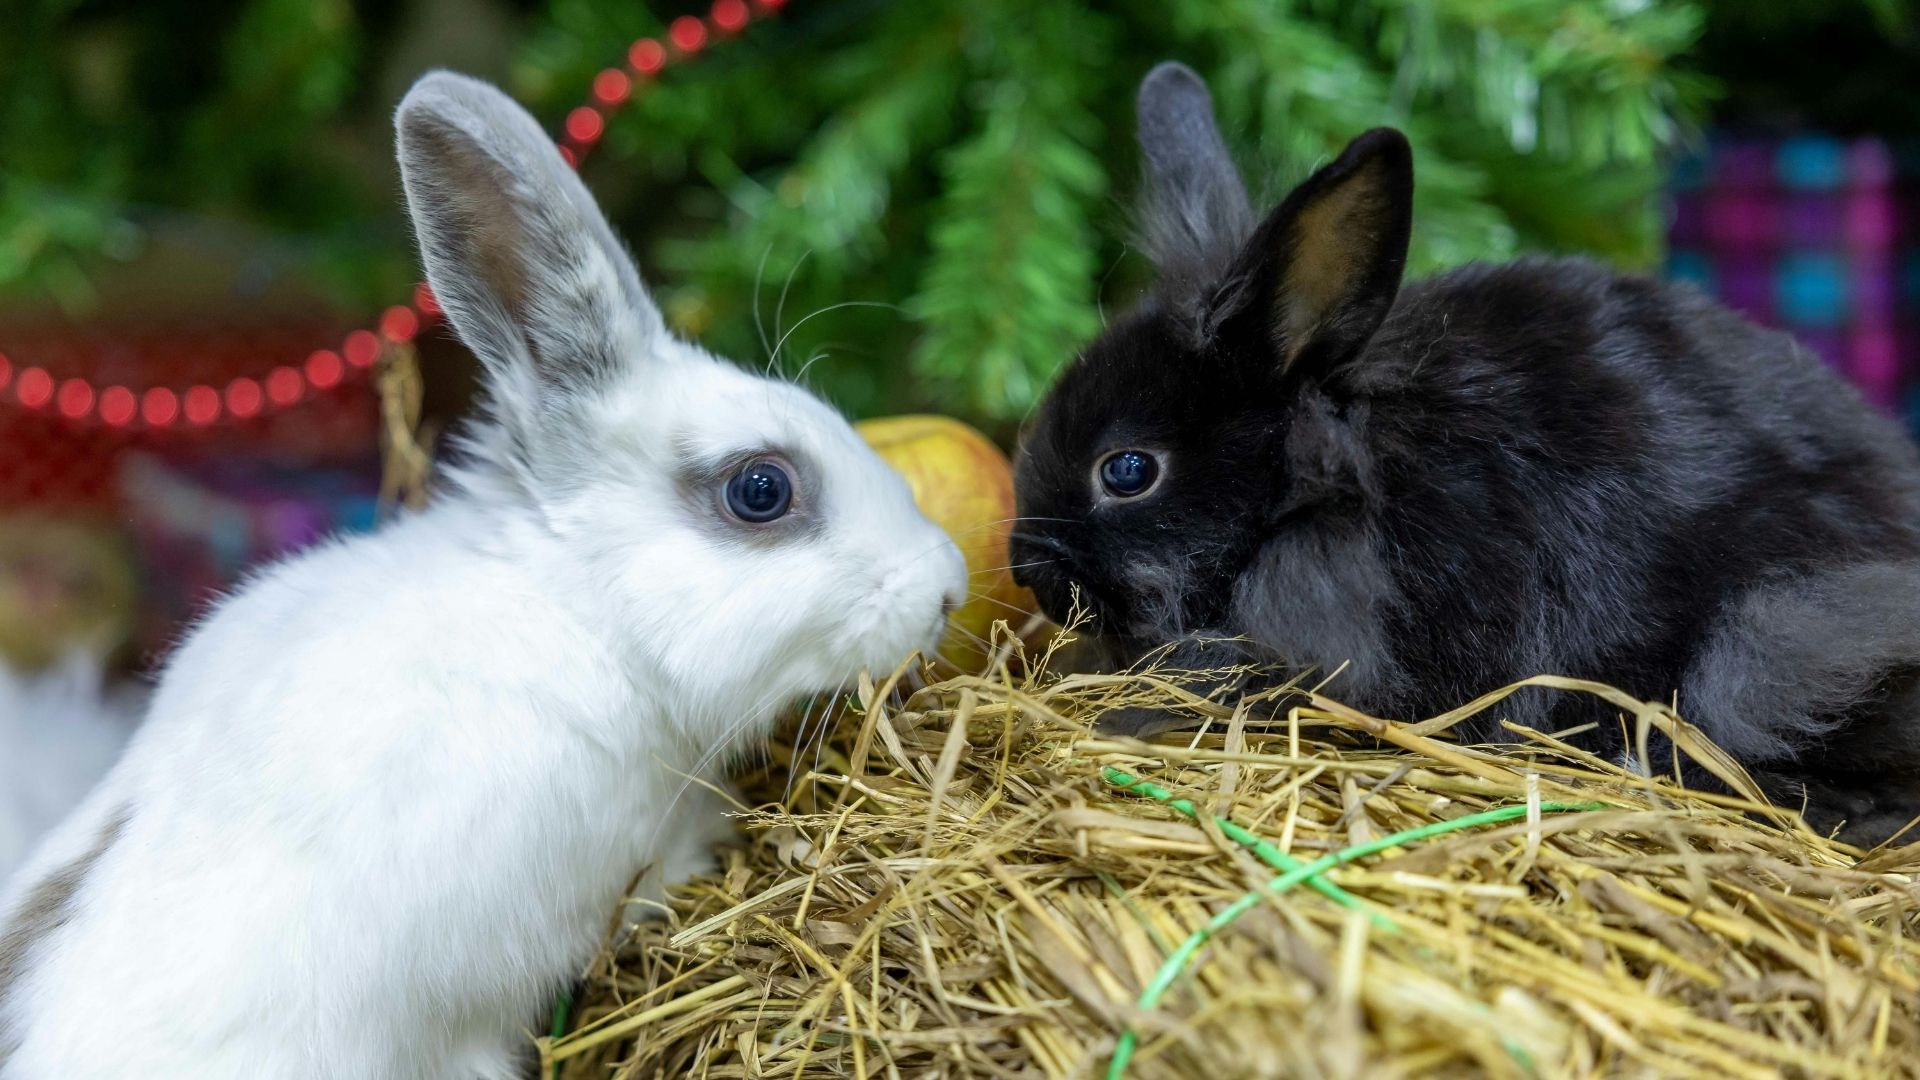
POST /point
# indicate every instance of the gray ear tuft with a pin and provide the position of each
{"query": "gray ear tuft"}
(518, 254)
(1194, 213)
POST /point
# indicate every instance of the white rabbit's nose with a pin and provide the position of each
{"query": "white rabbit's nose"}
(948, 604)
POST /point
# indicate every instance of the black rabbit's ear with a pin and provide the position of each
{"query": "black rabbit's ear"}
(1324, 268)
(1194, 211)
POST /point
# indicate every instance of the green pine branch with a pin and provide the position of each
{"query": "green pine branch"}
(1008, 292)
(823, 220)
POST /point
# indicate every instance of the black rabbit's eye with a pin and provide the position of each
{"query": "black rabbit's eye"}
(760, 492)
(1127, 473)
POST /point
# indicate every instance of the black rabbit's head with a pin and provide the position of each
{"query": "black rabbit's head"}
(1161, 459)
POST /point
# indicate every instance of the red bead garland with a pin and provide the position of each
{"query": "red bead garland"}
(362, 348)
(323, 369)
(118, 406)
(647, 56)
(399, 323)
(688, 34)
(201, 404)
(585, 124)
(35, 388)
(159, 407)
(612, 86)
(244, 398)
(75, 399)
(285, 386)
(730, 15)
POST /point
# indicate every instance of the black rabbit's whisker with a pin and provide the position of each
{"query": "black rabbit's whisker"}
(1014, 566)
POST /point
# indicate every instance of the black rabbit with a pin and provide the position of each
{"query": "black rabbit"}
(1501, 471)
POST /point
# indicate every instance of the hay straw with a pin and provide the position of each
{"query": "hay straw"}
(973, 884)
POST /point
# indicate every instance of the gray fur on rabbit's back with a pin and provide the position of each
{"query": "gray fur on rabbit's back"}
(1579, 472)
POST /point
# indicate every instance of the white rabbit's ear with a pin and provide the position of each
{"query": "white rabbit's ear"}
(518, 254)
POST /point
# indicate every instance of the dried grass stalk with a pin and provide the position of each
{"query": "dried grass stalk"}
(956, 889)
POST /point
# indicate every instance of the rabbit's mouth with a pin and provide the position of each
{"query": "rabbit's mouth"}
(932, 640)
(1066, 596)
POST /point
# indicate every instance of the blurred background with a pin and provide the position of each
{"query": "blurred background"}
(208, 315)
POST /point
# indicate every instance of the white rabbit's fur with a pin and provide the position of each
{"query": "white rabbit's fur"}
(60, 730)
(389, 795)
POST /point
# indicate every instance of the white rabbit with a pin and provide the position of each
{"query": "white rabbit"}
(60, 731)
(388, 796)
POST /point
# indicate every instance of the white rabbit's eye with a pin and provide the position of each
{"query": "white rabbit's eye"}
(1128, 474)
(760, 493)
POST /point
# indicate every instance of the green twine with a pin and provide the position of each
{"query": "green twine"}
(1293, 874)
(1261, 849)
(562, 1006)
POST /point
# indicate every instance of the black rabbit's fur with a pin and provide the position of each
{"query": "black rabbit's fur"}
(1537, 467)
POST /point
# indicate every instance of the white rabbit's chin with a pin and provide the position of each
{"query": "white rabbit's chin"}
(935, 636)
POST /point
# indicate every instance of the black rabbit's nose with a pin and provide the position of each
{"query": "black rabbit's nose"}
(1027, 557)
(1023, 569)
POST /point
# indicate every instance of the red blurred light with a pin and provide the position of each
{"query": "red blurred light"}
(399, 323)
(647, 56)
(612, 86)
(424, 299)
(362, 348)
(35, 388)
(771, 5)
(159, 406)
(729, 15)
(567, 155)
(243, 398)
(687, 33)
(284, 386)
(202, 405)
(584, 124)
(324, 369)
(75, 399)
(118, 405)
(6, 371)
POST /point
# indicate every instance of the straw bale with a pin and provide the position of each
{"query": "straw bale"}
(950, 882)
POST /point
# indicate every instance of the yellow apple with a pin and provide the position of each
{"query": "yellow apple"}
(965, 485)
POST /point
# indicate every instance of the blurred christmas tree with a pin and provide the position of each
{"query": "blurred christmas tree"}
(922, 203)
(970, 160)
